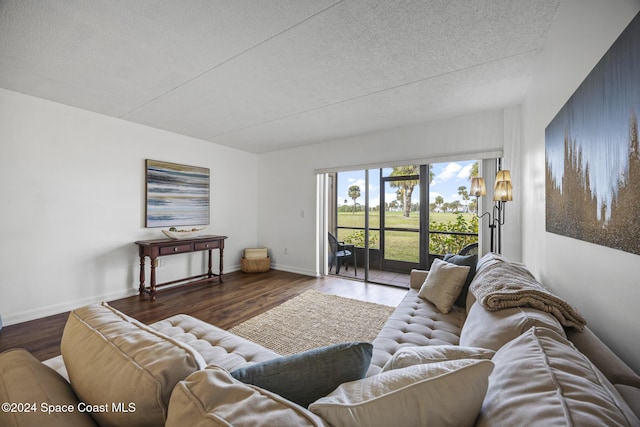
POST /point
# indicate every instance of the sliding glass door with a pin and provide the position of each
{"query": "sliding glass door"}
(400, 219)
(390, 220)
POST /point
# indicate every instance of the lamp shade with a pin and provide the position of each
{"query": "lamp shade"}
(503, 191)
(503, 175)
(477, 187)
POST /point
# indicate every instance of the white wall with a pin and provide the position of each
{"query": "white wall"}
(72, 194)
(603, 283)
(73, 197)
(287, 184)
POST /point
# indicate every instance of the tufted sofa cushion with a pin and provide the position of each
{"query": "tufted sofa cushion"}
(415, 322)
(217, 346)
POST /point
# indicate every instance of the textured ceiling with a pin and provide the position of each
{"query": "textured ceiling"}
(262, 75)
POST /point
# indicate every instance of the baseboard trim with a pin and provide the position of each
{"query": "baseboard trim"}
(296, 270)
(50, 310)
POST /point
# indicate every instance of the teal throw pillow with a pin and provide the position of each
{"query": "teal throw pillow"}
(470, 261)
(305, 377)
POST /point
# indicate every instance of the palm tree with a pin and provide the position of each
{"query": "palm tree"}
(462, 191)
(354, 193)
(405, 187)
(474, 170)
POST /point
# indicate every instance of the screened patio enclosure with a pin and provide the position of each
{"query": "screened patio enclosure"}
(391, 220)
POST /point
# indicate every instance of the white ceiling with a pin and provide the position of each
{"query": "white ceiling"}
(262, 75)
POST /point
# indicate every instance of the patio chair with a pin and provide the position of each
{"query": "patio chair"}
(471, 249)
(339, 253)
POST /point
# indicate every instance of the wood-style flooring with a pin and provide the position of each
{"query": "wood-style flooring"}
(241, 297)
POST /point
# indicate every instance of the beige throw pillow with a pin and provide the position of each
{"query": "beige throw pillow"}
(437, 394)
(214, 398)
(443, 284)
(409, 356)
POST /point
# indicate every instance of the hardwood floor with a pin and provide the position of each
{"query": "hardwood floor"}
(241, 297)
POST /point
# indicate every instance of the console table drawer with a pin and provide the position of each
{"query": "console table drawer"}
(167, 250)
(201, 246)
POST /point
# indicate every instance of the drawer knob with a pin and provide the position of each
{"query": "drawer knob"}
(206, 245)
(175, 249)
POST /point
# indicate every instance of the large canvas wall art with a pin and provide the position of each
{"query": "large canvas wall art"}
(592, 153)
(177, 195)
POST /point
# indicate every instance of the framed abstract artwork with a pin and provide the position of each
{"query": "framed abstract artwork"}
(176, 195)
(593, 154)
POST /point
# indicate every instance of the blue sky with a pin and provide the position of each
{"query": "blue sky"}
(448, 177)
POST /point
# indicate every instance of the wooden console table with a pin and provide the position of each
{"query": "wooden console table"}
(162, 247)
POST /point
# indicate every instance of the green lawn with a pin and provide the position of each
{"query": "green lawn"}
(403, 246)
(394, 219)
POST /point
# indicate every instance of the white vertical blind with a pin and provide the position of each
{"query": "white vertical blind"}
(322, 220)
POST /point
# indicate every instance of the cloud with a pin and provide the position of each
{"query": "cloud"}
(454, 197)
(390, 197)
(452, 169)
(359, 182)
(433, 195)
(465, 172)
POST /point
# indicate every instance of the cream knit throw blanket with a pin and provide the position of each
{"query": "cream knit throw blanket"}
(504, 285)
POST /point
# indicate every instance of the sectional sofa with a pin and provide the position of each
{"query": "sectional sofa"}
(444, 357)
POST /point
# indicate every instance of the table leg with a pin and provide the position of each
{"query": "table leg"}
(221, 263)
(141, 289)
(210, 272)
(153, 279)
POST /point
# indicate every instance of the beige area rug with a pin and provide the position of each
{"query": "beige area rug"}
(314, 319)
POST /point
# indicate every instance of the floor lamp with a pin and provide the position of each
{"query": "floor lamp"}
(502, 194)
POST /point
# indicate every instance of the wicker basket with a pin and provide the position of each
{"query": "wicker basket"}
(259, 265)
